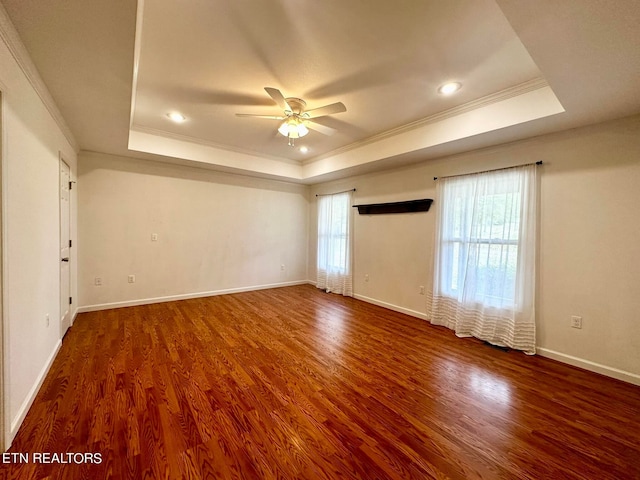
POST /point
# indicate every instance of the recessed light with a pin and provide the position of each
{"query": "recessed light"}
(304, 149)
(449, 88)
(176, 117)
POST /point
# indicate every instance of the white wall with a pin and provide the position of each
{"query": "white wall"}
(589, 239)
(31, 144)
(216, 232)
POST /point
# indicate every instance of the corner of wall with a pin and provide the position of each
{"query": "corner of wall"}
(15, 422)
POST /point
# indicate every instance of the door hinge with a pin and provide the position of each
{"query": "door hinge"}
(70, 300)
(70, 185)
(70, 243)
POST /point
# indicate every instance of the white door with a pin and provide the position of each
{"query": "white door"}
(65, 230)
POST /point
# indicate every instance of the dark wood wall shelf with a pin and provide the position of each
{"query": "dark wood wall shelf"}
(395, 207)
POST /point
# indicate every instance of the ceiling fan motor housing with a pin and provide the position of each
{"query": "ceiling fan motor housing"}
(297, 105)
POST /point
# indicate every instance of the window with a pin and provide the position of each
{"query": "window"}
(480, 237)
(334, 243)
(333, 232)
(484, 275)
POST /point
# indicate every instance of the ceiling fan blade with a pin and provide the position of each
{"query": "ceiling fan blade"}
(278, 98)
(320, 128)
(270, 117)
(326, 110)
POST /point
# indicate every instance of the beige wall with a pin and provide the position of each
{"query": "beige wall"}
(216, 232)
(31, 145)
(589, 239)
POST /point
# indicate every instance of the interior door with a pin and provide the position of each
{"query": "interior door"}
(65, 260)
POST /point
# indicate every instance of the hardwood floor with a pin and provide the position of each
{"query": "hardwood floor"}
(294, 383)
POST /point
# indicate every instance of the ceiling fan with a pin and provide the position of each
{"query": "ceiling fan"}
(295, 118)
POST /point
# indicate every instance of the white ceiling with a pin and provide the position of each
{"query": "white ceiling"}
(527, 68)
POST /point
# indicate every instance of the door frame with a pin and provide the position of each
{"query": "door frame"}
(4, 325)
(61, 161)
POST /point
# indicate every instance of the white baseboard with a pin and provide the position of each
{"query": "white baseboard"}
(591, 366)
(26, 405)
(186, 296)
(390, 306)
(543, 352)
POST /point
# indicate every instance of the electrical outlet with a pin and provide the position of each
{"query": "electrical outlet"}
(576, 321)
(97, 281)
(282, 267)
(366, 277)
(131, 279)
(154, 237)
(421, 289)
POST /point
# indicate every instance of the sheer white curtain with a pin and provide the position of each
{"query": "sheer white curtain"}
(334, 272)
(484, 269)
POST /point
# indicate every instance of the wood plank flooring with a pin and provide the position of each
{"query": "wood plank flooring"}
(294, 383)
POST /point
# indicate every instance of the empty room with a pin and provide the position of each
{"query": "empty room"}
(298, 239)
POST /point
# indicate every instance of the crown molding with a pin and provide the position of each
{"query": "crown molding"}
(511, 92)
(12, 40)
(207, 143)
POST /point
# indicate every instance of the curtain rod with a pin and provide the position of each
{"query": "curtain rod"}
(539, 162)
(325, 194)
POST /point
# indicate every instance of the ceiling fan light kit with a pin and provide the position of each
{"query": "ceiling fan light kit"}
(297, 121)
(293, 128)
